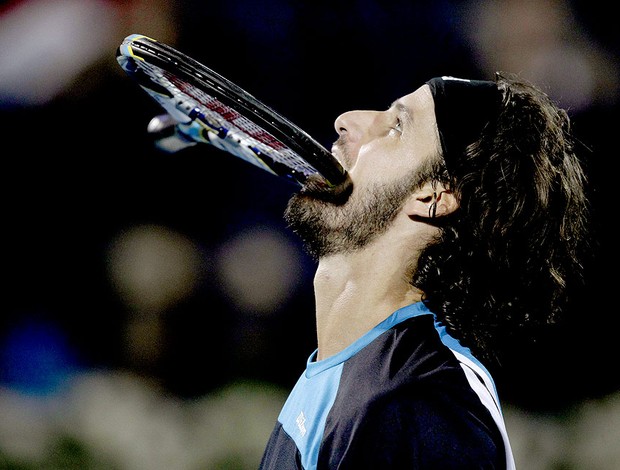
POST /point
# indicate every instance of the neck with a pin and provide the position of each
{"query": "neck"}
(356, 291)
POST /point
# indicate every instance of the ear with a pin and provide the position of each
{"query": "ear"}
(420, 203)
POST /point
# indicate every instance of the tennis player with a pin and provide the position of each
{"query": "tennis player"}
(461, 223)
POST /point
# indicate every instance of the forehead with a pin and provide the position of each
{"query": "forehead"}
(419, 103)
(420, 108)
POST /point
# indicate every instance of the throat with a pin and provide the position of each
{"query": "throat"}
(348, 307)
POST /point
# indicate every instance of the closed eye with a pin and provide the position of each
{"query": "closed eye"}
(398, 126)
(402, 117)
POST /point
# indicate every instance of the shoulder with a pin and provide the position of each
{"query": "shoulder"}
(426, 430)
(405, 397)
(410, 352)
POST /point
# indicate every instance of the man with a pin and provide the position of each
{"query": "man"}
(461, 221)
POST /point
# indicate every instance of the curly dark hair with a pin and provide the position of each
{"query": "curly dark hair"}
(508, 259)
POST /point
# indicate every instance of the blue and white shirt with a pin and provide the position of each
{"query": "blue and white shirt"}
(406, 395)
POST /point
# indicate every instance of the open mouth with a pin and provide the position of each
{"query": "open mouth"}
(316, 187)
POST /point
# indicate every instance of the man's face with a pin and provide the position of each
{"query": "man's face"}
(387, 155)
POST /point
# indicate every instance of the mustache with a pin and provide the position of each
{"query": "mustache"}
(340, 141)
(343, 152)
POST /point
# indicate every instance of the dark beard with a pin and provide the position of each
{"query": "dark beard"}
(335, 220)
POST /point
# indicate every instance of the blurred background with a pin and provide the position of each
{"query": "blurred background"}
(156, 311)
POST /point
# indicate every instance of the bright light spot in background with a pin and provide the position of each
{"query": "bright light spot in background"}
(259, 269)
(153, 267)
(124, 420)
(586, 436)
(45, 44)
(538, 442)
(597, 434)
(232, 426)
(542, 41)
(27, 427)
(129, 421)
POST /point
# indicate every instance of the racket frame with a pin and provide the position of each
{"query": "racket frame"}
(137, 48)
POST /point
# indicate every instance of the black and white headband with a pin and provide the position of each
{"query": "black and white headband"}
(462, 109)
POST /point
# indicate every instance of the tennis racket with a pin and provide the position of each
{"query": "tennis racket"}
(203, 107)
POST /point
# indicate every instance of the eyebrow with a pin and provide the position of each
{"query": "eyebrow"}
(402, 109)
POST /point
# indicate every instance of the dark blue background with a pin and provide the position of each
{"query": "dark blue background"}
(81, 168)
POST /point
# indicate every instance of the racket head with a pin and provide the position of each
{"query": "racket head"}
(209, 108)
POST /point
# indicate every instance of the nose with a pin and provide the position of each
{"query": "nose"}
(356, 125)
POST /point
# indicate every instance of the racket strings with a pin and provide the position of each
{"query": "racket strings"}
(204, 107)
(222, 122)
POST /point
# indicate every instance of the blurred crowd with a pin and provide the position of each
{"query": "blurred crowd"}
(156, 309)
